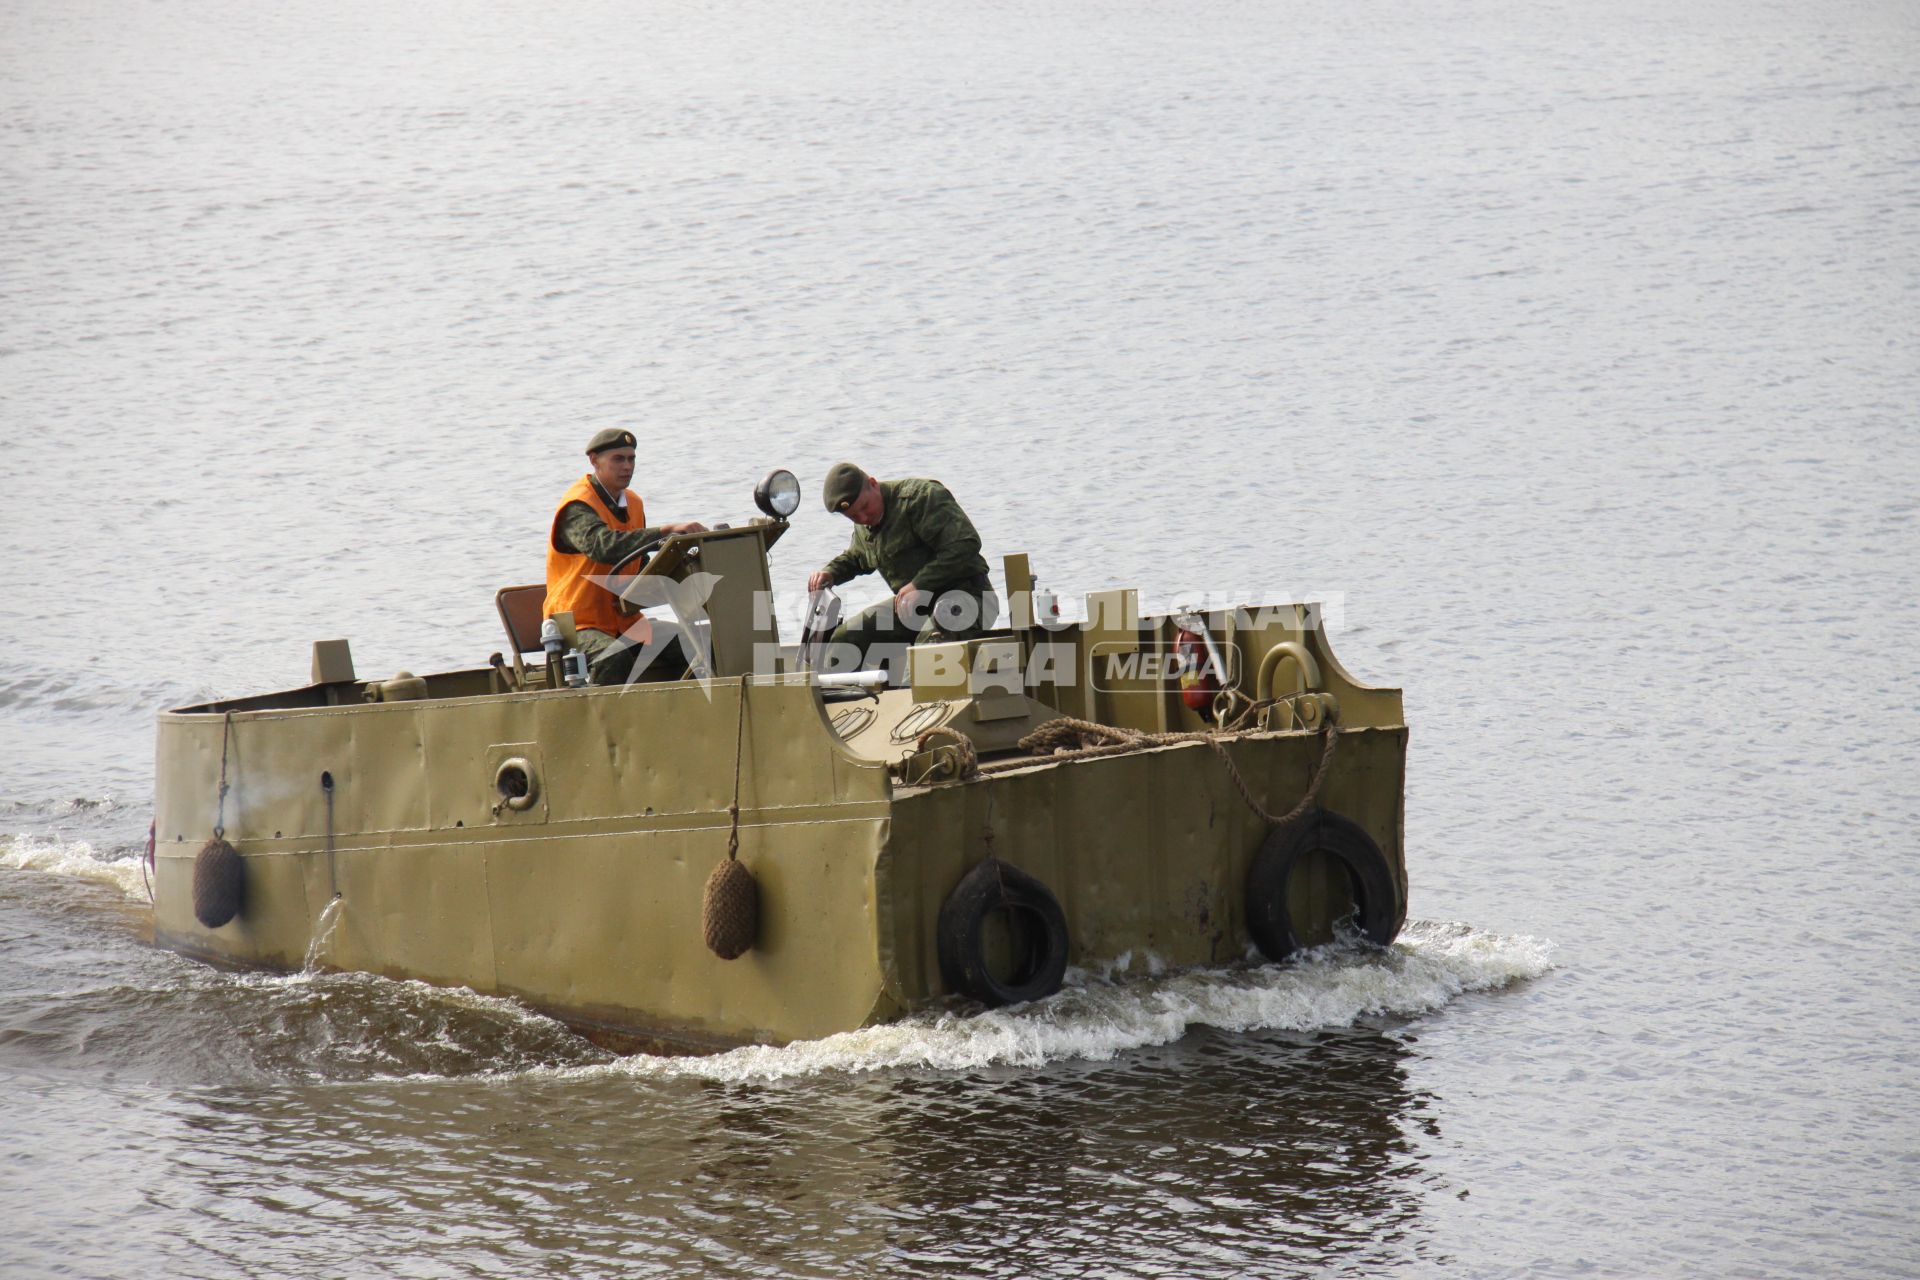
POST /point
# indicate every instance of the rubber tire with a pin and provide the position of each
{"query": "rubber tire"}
(1269, 918)
(963, 918)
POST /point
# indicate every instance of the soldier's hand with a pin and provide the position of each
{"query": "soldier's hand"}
(818, 580)
(905, 599)
(685, 526)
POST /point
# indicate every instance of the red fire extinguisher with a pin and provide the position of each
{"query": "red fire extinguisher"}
(1198, 683)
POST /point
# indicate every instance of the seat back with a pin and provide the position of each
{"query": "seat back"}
(520, 609)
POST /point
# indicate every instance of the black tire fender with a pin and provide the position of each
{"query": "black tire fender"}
(1269, 917)
(959, 934)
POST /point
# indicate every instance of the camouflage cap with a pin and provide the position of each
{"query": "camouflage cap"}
(843, 485)
(610, 438)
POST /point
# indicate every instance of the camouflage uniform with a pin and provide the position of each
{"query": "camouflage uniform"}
(924, 538)
(584, 533)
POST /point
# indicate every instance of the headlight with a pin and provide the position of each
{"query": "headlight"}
(778, 495)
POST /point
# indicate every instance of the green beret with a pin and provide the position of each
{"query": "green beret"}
(844, 483)
(610, 438)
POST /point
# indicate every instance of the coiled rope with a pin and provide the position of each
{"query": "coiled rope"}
(966, 755)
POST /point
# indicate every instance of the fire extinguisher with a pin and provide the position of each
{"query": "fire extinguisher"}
(1198, 682)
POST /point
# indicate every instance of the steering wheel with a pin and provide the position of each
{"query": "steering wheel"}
(640, 553)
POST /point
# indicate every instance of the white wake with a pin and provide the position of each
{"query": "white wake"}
(1098, 1020)
(1095, 1018)
(75, 858)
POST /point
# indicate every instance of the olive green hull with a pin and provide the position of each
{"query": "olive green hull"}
(586, 903)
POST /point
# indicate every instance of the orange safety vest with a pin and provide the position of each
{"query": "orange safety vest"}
(570, 588)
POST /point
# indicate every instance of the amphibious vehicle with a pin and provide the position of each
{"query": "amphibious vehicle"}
(1203, 786)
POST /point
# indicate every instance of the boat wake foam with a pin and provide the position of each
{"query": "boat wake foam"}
(1096, 1019)
(74, 858)
(353, 1027)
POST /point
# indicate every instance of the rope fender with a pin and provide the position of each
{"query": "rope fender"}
(219, 876)
(730, 903)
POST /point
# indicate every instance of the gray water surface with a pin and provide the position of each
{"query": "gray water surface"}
(1567, 349)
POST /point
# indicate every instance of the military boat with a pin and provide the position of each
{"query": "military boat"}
(762, 851)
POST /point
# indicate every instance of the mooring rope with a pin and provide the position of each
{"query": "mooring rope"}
(1093, 739)
(1313, 786)
(969, 755)
(1243, 718)
(220, 816)
(733, 810)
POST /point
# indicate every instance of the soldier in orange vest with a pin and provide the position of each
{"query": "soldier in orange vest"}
(599, 523)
